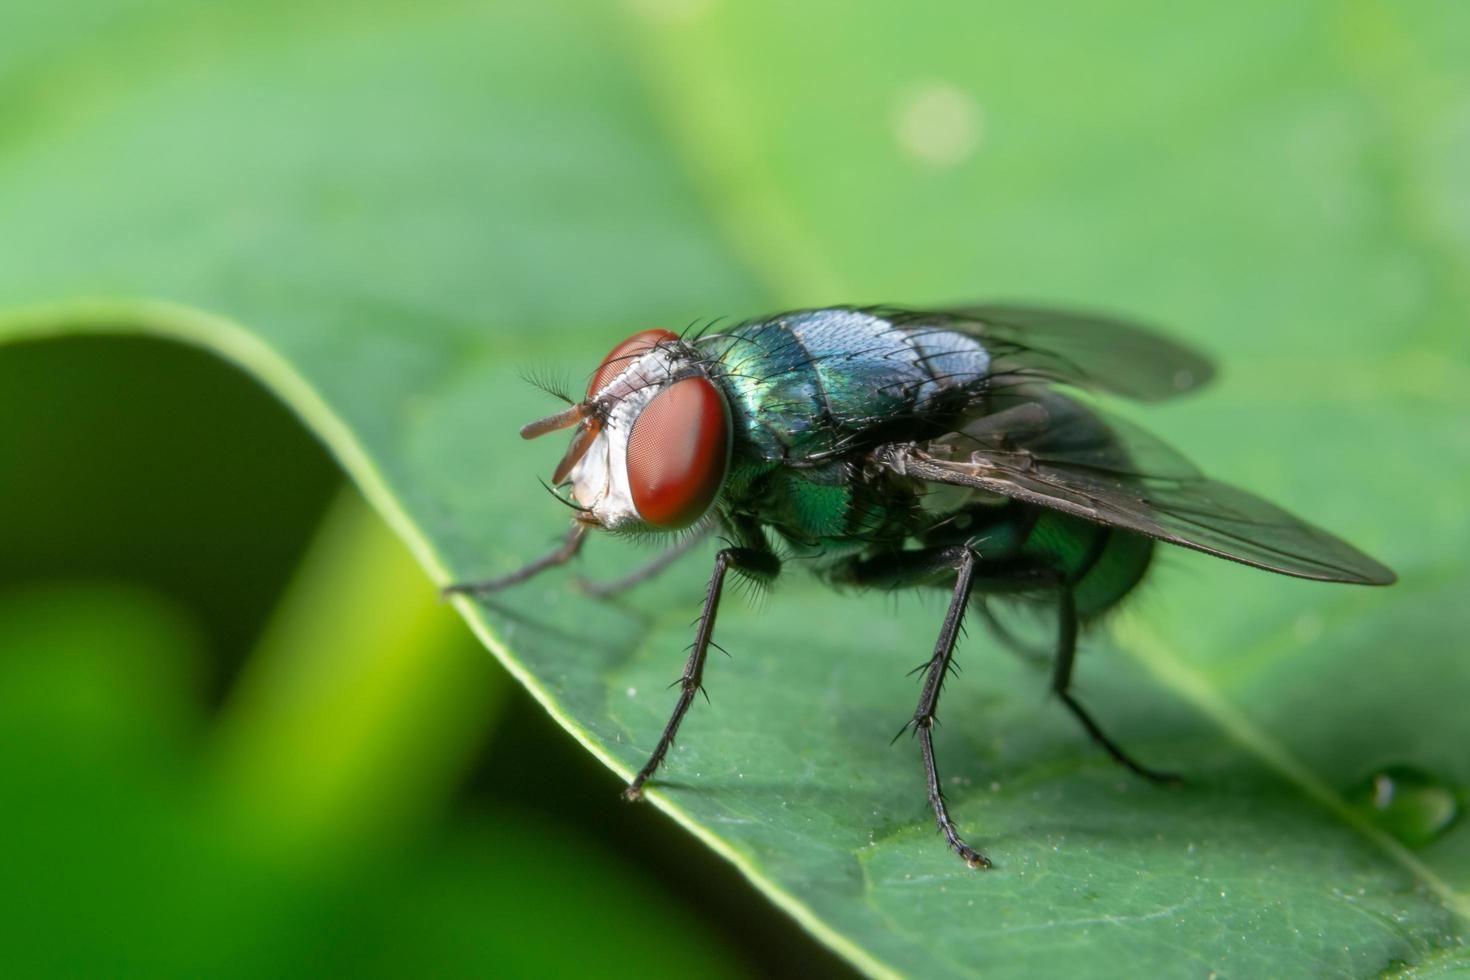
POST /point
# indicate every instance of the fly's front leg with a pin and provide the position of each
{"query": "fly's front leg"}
(756, 562)
(1062, 682)
(565, 552)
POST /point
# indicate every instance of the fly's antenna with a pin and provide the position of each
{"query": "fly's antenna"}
(561, 420)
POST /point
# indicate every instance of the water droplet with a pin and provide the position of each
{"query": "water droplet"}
(1410, 804)
(938, 124)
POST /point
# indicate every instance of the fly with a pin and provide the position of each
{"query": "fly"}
(899, 448)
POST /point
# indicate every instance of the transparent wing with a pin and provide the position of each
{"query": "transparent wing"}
(1035, 344)
(1044, 448)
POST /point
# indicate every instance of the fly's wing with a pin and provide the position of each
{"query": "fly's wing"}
(1029, 344)
(1046, 449)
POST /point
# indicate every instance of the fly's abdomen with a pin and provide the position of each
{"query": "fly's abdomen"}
(1102, 564)
(1119, 567)
(820, 382)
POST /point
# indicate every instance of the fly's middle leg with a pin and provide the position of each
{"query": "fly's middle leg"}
(930, 566)
(656, 566)
(923, 720)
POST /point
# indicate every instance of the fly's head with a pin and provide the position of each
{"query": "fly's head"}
(652, 441)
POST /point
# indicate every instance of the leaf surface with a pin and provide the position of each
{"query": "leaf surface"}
(384, 213)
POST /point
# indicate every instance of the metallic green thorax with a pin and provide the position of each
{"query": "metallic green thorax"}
(813, 384)
(811, 392)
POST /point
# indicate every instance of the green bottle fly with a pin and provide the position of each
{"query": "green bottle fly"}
(890, 448)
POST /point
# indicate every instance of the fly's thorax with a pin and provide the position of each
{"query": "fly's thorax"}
(813, 384)
(657, 438)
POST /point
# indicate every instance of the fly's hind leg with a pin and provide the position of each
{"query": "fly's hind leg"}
(657, 566)
(1062, 681)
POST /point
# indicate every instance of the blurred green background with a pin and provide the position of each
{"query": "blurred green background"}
(240, 734)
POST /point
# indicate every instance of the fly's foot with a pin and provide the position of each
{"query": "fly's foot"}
(957, 843)
(1112, 748)
(972, 857)
(633, 792)
(1155, 776)
(448, 592)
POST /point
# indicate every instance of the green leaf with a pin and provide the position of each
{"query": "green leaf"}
(383, 213)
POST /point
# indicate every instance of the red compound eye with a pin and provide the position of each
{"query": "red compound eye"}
(618, 359)
(677, 453)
